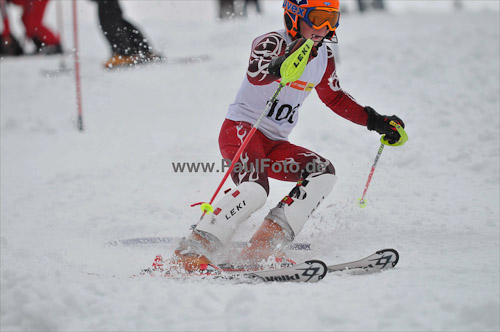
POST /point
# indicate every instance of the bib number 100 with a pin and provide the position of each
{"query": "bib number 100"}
(284, 113)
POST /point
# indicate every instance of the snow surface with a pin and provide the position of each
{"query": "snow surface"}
(66, 194)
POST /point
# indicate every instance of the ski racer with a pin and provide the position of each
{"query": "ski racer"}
(46, 41)
(269, 153)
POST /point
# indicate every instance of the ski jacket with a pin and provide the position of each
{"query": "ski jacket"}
(258, 87)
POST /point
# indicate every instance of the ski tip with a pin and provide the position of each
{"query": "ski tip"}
(391, 251)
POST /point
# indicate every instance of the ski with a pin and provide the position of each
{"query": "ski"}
(381, 259)
(174, 60)
(184, 60)
(315, 270)
(308, 271)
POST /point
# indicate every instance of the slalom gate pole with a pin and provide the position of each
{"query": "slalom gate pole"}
(402, 140)
(77, 68)
(291, 70)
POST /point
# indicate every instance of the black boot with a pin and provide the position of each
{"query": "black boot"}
(42, 48)
(9, 46)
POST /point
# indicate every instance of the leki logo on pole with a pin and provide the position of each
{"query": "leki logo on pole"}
(293, 67)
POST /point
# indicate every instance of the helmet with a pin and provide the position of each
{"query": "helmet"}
(316, 13)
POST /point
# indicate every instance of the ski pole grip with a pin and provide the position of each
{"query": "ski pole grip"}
(293, 66)
(402, 140)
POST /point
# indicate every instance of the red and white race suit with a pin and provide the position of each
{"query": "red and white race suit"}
(271, 139)
(258, 87)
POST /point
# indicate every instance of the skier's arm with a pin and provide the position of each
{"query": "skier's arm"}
(336, 99)
(264, 49)
(268, 54)
(343, 104)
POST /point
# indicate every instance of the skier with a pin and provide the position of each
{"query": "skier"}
(128, 45)
(8, 43)
(269, 153)
(46, 41)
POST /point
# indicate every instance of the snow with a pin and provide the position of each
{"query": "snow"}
(66, 194)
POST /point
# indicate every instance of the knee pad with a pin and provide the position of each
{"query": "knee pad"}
(235, 207)
(294, 210)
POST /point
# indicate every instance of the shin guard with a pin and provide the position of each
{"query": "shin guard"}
(294, 210)
(235, 207)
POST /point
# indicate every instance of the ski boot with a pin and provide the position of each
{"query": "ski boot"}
(191, 254)
(264, 250)
(117, 60)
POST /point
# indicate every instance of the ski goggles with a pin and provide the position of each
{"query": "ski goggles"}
(318, 18)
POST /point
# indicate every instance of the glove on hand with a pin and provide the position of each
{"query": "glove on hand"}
(275, 65)
(381, 124)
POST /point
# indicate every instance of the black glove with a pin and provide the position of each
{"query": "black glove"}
(381, 124)
(275, 65)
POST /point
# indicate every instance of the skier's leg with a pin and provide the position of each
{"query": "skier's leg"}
(316, 177)
(215, 230)
(138, 43)
(249, 167)
(33, 14)
(111, 22)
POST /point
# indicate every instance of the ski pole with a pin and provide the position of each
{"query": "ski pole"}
(362, 202)
(5, 18)
(403, 139)
(291, 70)
(60, 27)
(77, 68)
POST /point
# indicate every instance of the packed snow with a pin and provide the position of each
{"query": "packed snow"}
(65, 194)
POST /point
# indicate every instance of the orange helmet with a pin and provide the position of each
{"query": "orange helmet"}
(316, 13)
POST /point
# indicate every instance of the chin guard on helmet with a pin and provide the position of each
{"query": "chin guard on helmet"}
(331, 37)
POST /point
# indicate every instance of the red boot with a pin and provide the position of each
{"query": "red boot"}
(264, 247)
(191, 254)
